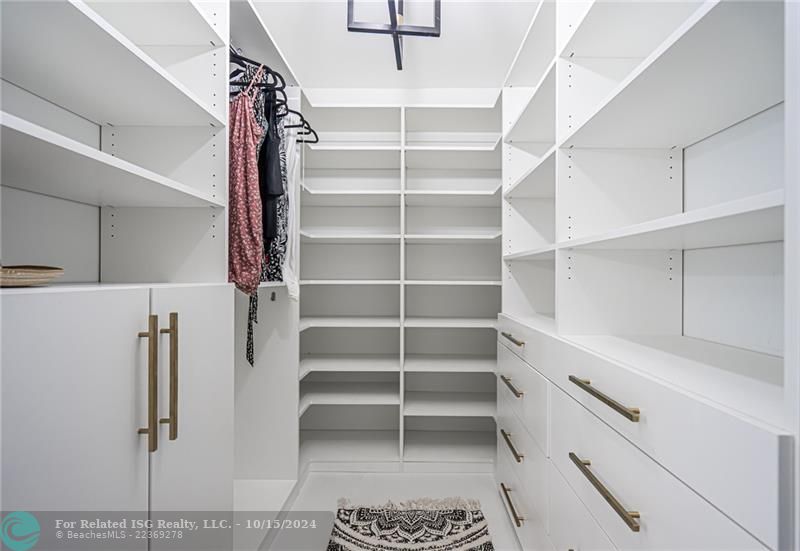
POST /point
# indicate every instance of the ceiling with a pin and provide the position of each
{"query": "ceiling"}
(478, 43)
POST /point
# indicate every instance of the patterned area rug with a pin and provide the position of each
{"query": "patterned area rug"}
(452, 524)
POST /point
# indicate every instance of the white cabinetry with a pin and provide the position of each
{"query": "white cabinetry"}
(645, 201)
(77, 382)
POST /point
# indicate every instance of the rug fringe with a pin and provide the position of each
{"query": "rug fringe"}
(423, 503)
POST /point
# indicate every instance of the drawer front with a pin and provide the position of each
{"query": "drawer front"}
(529, 465)
(738, 466)
(671, 515)
(529, 525)
(527, 392)
(571, 526)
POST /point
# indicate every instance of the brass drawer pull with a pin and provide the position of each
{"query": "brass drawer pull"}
(507, 437)
(507, 380)
(152, 383)
(518, 520)
(630, 517)
(631, 414)
(510, 337)
(172, 420)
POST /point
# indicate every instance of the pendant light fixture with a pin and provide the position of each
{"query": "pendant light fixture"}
(396, 27)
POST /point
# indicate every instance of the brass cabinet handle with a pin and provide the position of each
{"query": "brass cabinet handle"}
(152, 382)
(510, 337)
(516, 392)
(507, 437)
(173, 376)
(631, 414)
(629, 517)
(518, 520)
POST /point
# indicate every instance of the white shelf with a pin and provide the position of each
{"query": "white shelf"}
(347, 394)
(350, 282)
(453, 198)
(536, 122)
(345, 236)
(723, 47)
(756, 219)
(94, 71)
(450, 446)
(341, 364)
(540, 253)
(336, 192)
(353, 146)
(451, 323)
(348, 321)
(174, 23)
(249, 33)
(271, 284)
(449, 404)
(742, 380)
(349, 446)
(625, 29)
(449, 283)
(467, 143)
(545, 323)
(539, 181)
(39, 160)
(448, 363)
(445, 238)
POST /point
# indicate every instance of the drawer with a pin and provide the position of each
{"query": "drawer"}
(527, 391)
(524, 341)
(614, 478)
(529, 465)
(571, 526)
(529, 525)
(740, 466)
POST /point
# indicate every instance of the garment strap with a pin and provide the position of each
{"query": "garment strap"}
(255, 79)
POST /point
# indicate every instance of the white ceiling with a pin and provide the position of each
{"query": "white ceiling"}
(478, 43)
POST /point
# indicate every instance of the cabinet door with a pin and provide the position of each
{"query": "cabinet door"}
(195, 470)
(74, 396)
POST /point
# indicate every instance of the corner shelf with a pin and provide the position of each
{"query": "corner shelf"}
(441, 363)
(349, 446)
(653, 109)
(141, 93)
(342, 364)
(445, 238)
(39, 160)
(348, 321)
(449, 404)
(451, 323)
(450, 446)
(347, 394)
(343, 236)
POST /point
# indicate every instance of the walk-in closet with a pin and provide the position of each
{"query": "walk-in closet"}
(418, 275)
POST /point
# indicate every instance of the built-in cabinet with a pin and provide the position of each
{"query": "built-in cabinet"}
(641, 343)
(78, 372)
(118, 378)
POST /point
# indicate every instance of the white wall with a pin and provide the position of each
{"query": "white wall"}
(37, 229)
(734, 295)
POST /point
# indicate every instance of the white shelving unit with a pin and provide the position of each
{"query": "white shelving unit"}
(160, 98)
(400, 218)
(644, 206)
(95, 149)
